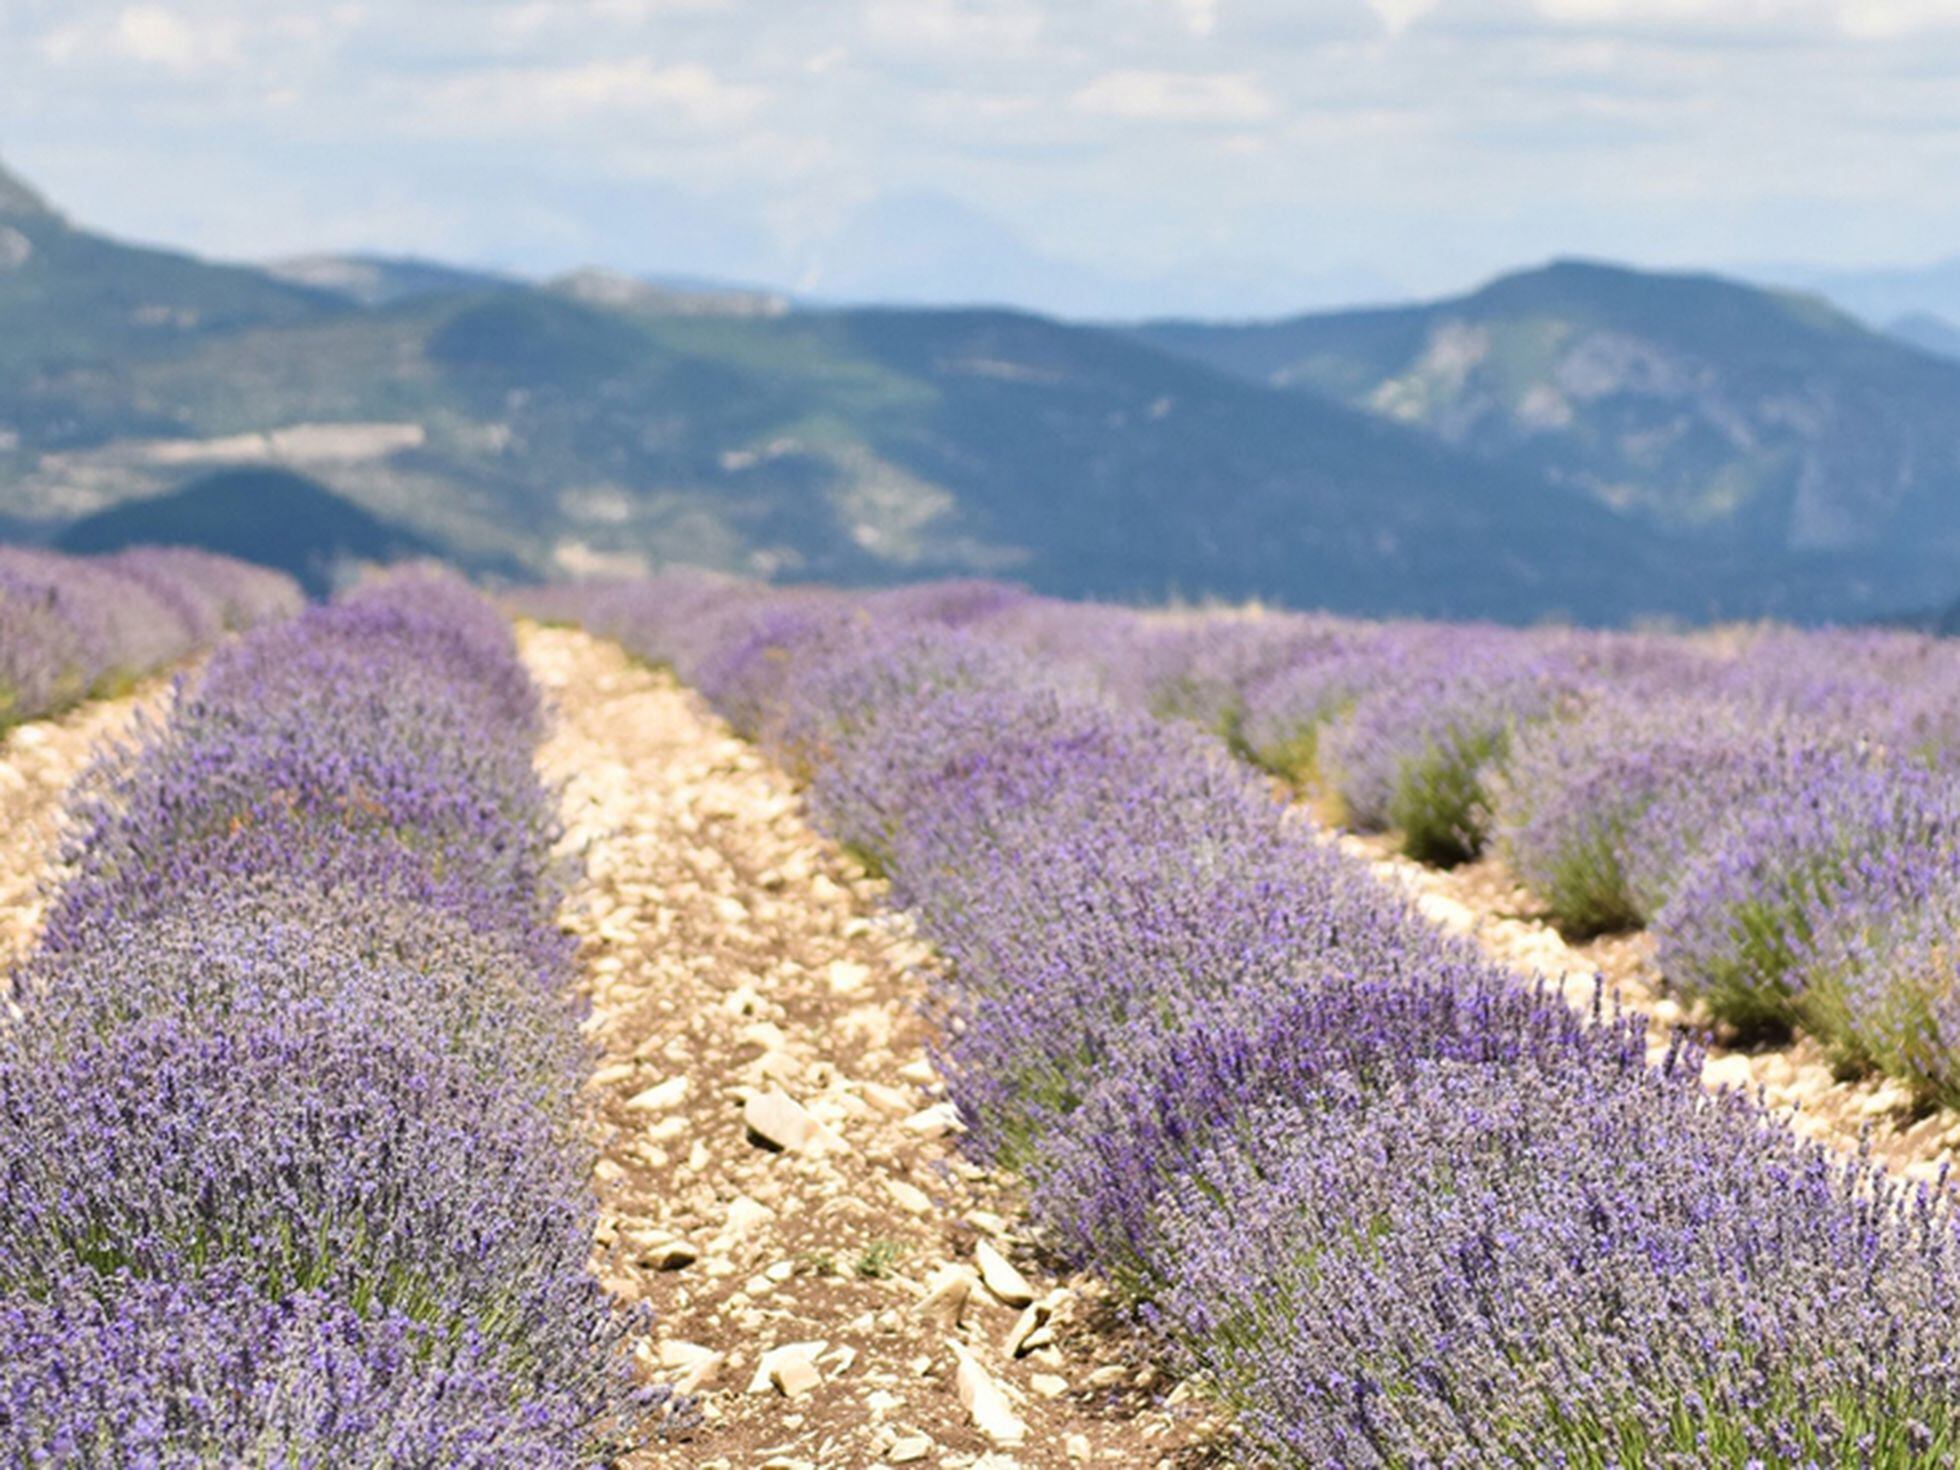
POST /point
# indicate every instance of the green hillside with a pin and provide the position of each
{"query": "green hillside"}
(75, 303)
(1419, 461)
(1749, 422)
(271, 517)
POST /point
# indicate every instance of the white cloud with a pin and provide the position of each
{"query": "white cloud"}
(1398, 15)
(686, 93)
(150, 35)
(1885, 19)
(1185, 97)
(1200, 16)
(990, 26)
(1871, 19)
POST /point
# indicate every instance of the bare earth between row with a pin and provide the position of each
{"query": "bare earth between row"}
(781, 1182)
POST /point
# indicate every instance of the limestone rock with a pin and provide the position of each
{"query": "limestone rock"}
(694, 1366)
(746, 1216)
(984, 1402)
(661, 1097)
(778, 1121)
(1000, 1277)
(934, 1122)
(946, 1296)
(790, 1369)
(663, 1254)
(1030, 1331)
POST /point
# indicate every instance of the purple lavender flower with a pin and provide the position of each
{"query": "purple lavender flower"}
(292, 1163)
(1402, 1207)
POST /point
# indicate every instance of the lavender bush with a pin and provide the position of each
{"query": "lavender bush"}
(73, 626)
(1416, 755)
(1404, 1209)
(292, 1168)
(1783, 919)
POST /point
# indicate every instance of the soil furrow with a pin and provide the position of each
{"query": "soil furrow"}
(39, 761)
(781, 1182)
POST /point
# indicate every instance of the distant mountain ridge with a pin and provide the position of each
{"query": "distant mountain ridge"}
(1888, 293)
(382, 280)
(17, 198)
(1928, 332)
(1582, 443)
(1764, 424)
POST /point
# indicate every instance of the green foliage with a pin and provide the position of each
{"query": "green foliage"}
(1587, 890)
(881, 1258)
(1439, 803)
(1296, 759)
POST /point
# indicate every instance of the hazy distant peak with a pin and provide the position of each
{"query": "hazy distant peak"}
(16, 198)
(618, 291)
(1929, 332)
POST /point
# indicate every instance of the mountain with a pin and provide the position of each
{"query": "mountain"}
(76, 306)
(587, 426)
(272, 517)
(382, 280)
(916, 247)
(1760, 425)
(1928, 333)
(1538, 450)
(1886, 294)
(666, 296)
(18, 200)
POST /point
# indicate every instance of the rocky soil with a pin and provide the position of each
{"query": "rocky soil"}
(781, 1181)
(1485, 901)
(38, 762)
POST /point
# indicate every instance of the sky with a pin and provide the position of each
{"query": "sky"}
(1114, 157)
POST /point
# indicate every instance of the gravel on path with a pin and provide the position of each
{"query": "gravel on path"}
(780, 1179)
(39, 761)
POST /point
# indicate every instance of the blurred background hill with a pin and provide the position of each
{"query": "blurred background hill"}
(1579, 440)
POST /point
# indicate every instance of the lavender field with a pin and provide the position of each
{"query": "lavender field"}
(75, 626)
(1397, 1205)
(289, 1173)
(302, 1153)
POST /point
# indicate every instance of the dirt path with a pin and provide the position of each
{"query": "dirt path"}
(1483, 900)
(820, 1292)
(38, 761)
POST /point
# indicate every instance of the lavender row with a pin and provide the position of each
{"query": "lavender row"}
(1401, 1208)
(75, 626)
(292, 1168)
(1779, 806)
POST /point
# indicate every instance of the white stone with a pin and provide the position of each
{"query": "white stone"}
(934, 1122)
(984, 1402)
(661, 1097)
(1000, 1277)
(1729, 1071)
(946, 1296)
(746, 1216)
(779, 1121)
(846, 977)
(790, 1369)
